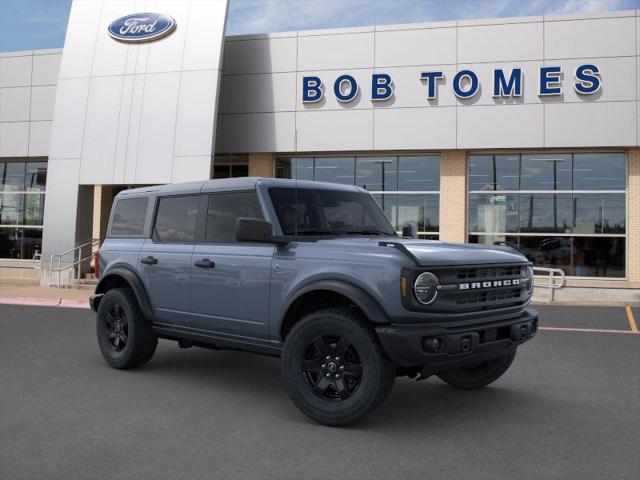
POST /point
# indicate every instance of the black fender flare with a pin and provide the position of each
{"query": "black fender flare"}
(134, 282)
(369, 306)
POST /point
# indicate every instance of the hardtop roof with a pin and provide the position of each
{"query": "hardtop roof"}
(232, 184)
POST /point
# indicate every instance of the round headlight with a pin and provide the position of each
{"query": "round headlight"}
(530, 279)
(426, 288)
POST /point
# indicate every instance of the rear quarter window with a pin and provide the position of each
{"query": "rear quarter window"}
(128, 217)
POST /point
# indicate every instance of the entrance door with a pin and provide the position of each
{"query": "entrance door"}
(165, 259)
(230, 281)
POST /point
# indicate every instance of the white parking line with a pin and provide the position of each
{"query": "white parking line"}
(588, 330)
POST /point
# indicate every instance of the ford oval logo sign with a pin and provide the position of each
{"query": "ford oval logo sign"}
(141, 27)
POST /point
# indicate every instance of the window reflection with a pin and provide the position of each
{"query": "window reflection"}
(494, 172)
(419, 174)
(546, 172)
(421, 212)
(597, 256)
(377, 174)
(13, 175)
(599, 171)
(591, 209)
(335, 170)
(493, 213)
(599, 213)
(396, 176)
(545, 213)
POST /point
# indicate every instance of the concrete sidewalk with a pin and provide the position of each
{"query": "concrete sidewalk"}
(17, 293)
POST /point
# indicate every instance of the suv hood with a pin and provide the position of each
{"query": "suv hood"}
(430, 253)
(433, 253)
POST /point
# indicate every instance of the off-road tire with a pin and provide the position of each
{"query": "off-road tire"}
(377, 372)
(141, 341)
(478, 376)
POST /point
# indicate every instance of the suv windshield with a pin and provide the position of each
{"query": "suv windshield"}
(328, 212)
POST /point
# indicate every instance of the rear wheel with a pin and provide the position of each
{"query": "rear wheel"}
(124, 336)
(333, 367)
(478, 376)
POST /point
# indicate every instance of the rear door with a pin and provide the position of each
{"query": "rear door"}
(165, 258)
(230, 280)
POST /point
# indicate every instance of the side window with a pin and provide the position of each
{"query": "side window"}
(176, 219)
(224, 210)
(128, 216)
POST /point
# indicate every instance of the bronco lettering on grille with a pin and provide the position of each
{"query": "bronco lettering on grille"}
(490, 284)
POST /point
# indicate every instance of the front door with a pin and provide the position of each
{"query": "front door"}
(165, 259)
(230, 281)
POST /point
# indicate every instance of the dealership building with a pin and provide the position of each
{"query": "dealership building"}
(522, 131)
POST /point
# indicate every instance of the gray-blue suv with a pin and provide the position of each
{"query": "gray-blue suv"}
(311, 272)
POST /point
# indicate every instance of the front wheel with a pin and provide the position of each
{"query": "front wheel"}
(334, 368)
(478, 376)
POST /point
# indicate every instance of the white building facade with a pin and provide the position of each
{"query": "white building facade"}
(522, 131)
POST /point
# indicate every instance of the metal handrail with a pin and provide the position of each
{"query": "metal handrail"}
(37, 260)
(551, 285)
(78, 248)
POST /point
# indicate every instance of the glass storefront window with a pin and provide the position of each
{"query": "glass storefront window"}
(36, 176)
(493, 213)
(33, 209)
(494, 172)
(421, 212)
(599, 213)
(543, 212)
(11, 209)
(377, 174)
(581, 230)
(545, 172)
(22, 187)
(13, 177)
(419, 174)
(395, 180)
(335, 170)
(599, 171)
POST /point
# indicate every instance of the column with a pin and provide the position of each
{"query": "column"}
(633, 225)
(261, 165)
(453, 196)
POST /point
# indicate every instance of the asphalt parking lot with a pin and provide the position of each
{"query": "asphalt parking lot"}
(569, 408)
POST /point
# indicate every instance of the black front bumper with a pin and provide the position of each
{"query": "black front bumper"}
(442, 347)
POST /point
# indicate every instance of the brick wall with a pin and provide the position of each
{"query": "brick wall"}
(633, 226)
(453, 196)
(102, 201)
(261, 165)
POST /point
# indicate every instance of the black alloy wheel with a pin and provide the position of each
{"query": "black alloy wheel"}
(125, 337)
(332, 367)
(117, 327)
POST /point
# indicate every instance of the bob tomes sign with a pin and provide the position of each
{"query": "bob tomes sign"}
(465, 84)
(141, 27)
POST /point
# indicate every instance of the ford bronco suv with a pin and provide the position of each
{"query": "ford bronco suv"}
(311, 272)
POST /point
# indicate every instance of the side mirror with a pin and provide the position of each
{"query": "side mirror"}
(407, 231)
(254, 230)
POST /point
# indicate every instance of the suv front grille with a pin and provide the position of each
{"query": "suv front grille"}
(491, 296)
(511, 271)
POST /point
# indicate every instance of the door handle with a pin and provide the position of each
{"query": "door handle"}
(149, 260)
(204, 263)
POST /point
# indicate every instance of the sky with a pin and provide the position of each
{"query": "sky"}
(34, 24)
